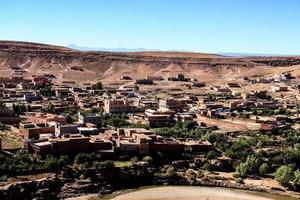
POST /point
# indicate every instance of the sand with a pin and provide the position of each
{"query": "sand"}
(188, 193)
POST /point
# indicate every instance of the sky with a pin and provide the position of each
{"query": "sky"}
(241, 26)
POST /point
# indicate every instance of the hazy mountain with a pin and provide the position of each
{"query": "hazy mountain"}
(119, 49)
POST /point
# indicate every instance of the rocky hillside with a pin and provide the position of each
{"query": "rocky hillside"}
(67, 64)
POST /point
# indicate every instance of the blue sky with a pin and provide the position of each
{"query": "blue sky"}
(252, 26)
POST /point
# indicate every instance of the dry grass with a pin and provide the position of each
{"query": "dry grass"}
(10, 140)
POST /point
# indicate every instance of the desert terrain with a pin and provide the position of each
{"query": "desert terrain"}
(81, 66)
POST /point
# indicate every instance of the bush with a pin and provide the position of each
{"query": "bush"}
(51, 163)
(200, 173)
(264, 169)
(3, 127)
(284, 174)
(167, 172)
(69, 119)
(191, 174)
(207, 166)
(240, 149)
(85, 159)
(104, 165)
(211, 155)
(239, 180)
(134, 159)
(3, 178)
(296, 180)
(148, 159)
(251, 166)
(170, 172)
(241, 170)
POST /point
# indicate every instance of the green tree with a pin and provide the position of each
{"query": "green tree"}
(241, 170)
(296, 180)
(69, 119)
(284, 174)
(83, 158)
(20, 108)
(104, 165)
(264, 169)
(98, 86)
(211, 155)
(63, 161)
(50, 108)
(51, 163)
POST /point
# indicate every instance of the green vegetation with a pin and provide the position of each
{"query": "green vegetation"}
(167, 172)
(115, 120)
(240, 149)
(183, 130)
(4, 127)
(20, 108)
(55, 164)
(98, 86)
(122, 163)
(104, 165)
(50, 108)
(191, 174)
(47, 91)
(284, 174)
(69, 119)
(250, 167)
(264, 169)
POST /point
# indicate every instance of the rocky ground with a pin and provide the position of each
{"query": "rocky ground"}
(69, 64)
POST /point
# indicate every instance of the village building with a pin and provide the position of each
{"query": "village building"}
(65, 129)
(173, 104)
(160, 117)
(38, 118)
(71, 145)
(116, 106)
(30, 130)
(7, 116)
(91, 118)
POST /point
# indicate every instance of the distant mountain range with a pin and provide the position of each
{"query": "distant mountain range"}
(119, 49)
(122, 49)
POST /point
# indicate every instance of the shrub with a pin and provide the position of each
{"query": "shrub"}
(241, 170)
(104, 165)
(264, 169)
(167, 172)
(284, 174)
(207, 166)
(211, 155)
(86, 159)
(51, 163)
(191, 174)
(200, 173)
(148, 159)
(134, 159)
(3, 178)
(296, 180)
(239, 180)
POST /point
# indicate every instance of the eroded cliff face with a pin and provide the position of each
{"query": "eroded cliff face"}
(67, 63)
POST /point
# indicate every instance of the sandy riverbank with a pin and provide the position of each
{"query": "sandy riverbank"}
(188, 193)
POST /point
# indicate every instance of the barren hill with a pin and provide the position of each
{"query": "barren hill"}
(67, 64)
